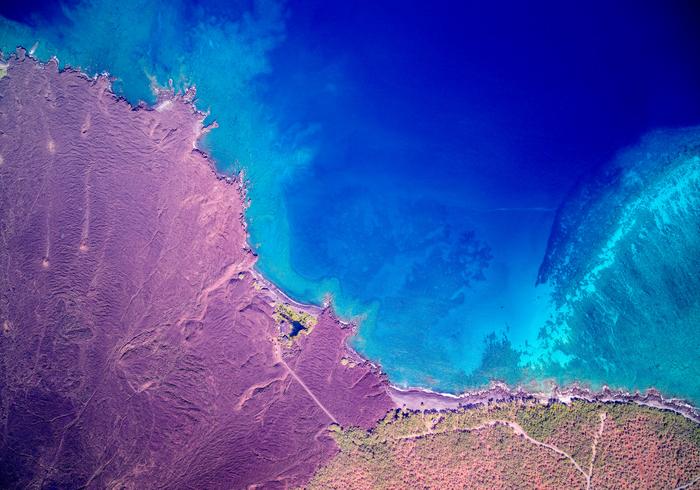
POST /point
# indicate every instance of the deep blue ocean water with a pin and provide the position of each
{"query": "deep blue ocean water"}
(409, 159)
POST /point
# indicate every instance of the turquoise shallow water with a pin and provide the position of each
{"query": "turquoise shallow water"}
(412, 166)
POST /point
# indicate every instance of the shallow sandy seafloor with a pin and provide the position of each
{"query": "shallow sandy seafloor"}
(140, 348)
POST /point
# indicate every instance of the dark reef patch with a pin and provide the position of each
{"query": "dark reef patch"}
(623, 259)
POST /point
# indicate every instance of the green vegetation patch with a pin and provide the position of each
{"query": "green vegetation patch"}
(298, 320)
(543, 421)
(405, 444)
(664, 422)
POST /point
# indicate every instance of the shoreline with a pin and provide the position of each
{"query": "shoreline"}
(411, 398)
(418, 398)
(278, 295)
(422, 399)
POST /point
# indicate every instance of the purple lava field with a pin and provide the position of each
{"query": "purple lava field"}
(138, 349)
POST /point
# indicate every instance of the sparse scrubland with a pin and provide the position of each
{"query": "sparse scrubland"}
(519, 445)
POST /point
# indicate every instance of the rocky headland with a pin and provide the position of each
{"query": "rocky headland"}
(139, 347)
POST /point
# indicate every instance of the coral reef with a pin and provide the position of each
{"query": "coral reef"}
(139, 347)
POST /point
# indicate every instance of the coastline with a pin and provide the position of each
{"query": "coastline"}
(411, 398)
(276, 294)
(417, 398)
(421, 399)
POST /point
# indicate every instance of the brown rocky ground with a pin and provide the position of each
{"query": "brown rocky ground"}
(139, 347)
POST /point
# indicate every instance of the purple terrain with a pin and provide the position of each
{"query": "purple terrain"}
(138, 349)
